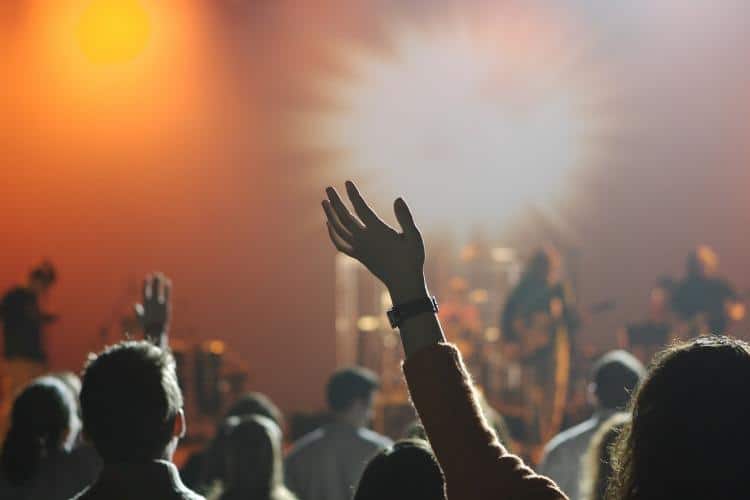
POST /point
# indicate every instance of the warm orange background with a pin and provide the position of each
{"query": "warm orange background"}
(179, 161)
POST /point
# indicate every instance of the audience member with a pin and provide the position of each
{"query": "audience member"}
(688, 436)
(614, 378)
(132, 413)
(255, 403)
(596, 467)
(327, 463)
(406, 471)
(476, 466)
(206, 466)
(253, 461)
(37, 457)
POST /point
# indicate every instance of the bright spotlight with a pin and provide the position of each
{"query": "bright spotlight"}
(113, 31)
(471, 124)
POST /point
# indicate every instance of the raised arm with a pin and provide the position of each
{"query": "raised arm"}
(475, 464)
(155, 310)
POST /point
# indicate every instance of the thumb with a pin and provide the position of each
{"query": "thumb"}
(405, 219)
(139, 311)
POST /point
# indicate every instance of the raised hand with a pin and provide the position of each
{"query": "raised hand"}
(396, 258)
(154, 311)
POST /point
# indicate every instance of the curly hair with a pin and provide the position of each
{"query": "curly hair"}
(688, 435)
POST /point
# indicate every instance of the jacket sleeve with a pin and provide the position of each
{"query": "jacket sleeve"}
(475, 464)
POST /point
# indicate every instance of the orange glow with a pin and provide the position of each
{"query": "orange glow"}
(737, 311)
(104, 74)
(113, 31)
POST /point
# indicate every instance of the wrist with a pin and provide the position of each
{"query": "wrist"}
(408, 291)
(154, 329)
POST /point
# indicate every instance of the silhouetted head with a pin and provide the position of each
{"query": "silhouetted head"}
(251, 404)
(702, 262)
(543, 267)
(255, 403)
(42, 277)
(689, 437)
(407, 471)
(615, 376)
(253, 459)
(350, 394)
(41, 420)
(131, 403)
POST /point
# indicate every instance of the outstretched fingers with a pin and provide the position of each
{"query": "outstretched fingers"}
(335, 223)
(344, 215)
(405, 219)
(166, 289)
(341, 245)
(150, 288)
(363, 210)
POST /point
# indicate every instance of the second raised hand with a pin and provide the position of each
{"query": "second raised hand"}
(154, 312)
(395, 258)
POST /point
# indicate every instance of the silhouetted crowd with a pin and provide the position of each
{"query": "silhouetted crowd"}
(675, 430)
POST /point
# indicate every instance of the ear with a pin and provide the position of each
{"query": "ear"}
(591, 394)
(180, 426)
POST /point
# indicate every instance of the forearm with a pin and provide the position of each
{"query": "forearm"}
(444, 396)
(440, 388)
(475, 464)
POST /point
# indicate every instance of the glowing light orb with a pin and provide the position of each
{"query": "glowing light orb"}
(470, 124)
(113, 31)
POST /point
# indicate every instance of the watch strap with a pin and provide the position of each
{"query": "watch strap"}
(400, 313)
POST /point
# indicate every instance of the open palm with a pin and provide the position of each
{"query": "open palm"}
(396, 258)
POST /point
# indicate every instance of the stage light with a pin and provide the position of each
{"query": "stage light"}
(369, 323)
(492, 334)
(471, 124)
(479, 296)
(113, 31)
(503, 255)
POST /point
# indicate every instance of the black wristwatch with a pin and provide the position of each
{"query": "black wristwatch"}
(399, 313)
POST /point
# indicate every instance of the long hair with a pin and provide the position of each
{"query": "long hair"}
(688, 436)
(254, 467)
(41, 416)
